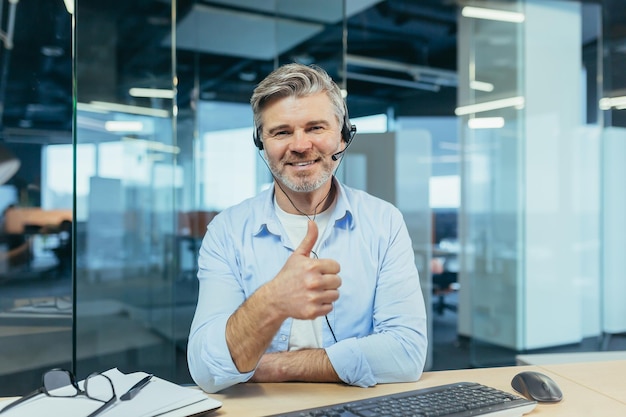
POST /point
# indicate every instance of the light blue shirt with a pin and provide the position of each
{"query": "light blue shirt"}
(379, 319)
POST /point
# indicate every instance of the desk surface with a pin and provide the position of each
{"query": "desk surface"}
(569, 357)
(606, 377)
(590, 389)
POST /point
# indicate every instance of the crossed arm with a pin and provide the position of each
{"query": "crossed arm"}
(305, 288)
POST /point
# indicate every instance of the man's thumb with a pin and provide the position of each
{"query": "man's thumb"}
(309, 240)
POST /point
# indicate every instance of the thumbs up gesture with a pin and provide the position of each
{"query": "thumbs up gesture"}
(306, 287)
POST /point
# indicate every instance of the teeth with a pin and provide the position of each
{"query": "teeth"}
(301, 164)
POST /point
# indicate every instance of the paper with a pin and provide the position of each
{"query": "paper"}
(158, 398)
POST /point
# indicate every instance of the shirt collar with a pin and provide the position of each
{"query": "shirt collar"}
(267, 221)
(343, 210)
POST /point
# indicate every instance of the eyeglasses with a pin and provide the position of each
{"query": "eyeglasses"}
(62, 383)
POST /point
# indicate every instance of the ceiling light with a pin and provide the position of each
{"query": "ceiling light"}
(481, 86)
(517, 102)
(492, 14)
(617, 102)
(393, 81)
(123, 108)
(486, 123)
(151, 93)
(69, 6)
(154, 145)
(123, 126)
(52, 51)
(247, 76)
(417, 72)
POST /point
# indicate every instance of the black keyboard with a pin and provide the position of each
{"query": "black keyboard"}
(453, 400)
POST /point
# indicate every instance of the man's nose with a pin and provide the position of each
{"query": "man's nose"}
(300, 141)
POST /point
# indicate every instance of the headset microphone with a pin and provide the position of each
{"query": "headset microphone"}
(338, 155)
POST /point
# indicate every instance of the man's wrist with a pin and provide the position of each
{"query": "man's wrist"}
(308, 365)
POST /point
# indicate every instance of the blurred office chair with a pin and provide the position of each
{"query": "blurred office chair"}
(444, 269)
(191, 229)
(444, 285)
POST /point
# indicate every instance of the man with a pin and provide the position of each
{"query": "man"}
(309, 280)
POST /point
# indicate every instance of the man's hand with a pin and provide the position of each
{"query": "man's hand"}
(305, 288)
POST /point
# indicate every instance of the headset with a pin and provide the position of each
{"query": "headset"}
(348, 131)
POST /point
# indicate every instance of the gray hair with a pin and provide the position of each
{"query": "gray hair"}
(296, 80)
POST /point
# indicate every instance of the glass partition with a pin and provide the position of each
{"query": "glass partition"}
(153, 169)
(128, 188)
(490, 54)
(611, 97)
(530, 150)
(36, 192)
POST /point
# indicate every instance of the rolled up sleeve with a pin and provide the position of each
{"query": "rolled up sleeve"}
(219, 295)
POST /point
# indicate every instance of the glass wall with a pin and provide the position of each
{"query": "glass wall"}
(612, 99)
(36, 192)
(531, 183)
(128, 189)
(491, 99)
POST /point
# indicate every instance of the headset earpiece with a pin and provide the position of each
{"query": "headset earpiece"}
(348, 130)
(256, 137)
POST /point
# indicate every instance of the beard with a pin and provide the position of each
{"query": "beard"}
(303, 182)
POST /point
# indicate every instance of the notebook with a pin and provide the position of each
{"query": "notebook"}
(158, 398)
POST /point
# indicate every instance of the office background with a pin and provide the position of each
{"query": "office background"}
(126, 127)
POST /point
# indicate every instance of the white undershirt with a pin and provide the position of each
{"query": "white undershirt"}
(304, 333)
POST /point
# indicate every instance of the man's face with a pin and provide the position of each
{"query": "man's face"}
(300, 134)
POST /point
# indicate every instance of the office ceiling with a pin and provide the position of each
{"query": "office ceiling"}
(401, 54)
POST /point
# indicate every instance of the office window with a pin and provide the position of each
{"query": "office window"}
(228, 154)
(57, 185)
(445, 192)
(376, 123)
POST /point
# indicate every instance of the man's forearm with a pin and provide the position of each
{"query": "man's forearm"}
(250, 330)
(310, 365)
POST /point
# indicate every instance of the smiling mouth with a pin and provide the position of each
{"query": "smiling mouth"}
(301, 163)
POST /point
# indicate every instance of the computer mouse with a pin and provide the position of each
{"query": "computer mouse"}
(537, 386)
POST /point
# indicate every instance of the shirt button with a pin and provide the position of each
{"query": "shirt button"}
(283, 338)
